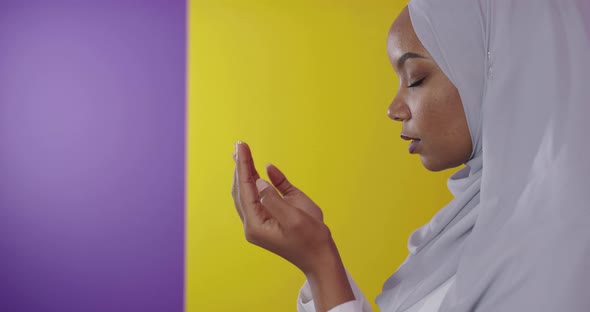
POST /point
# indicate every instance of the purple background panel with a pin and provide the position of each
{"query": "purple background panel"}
(92, 155)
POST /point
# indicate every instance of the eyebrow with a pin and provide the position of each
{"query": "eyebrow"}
(402, 60)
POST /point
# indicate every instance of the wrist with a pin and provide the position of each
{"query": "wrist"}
(326, 261)
(328, 280)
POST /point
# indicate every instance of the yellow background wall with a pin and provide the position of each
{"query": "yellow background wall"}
(307, 84)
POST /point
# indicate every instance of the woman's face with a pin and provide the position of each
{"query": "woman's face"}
(427, 103)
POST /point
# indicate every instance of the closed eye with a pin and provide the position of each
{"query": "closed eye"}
(416, 83)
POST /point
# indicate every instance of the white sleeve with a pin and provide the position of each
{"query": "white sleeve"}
(305, 300)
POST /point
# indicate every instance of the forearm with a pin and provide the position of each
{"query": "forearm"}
(328, 281)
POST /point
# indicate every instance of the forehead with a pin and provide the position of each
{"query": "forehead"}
(402, 38)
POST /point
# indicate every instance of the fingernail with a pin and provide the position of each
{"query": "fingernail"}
(237, 149)
(261, 185)
(233, 155)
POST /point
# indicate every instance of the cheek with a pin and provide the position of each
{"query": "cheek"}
(455, 133)
(437, 111)
(446, 111)
(432, 113)
(444, 126)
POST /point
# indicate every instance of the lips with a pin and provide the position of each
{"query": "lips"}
(408, 138)
(413, 145)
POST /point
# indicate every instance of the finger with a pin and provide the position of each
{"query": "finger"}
(234, 192)
(279, 180)
(247, 192)
(273, 202)
(254, 173)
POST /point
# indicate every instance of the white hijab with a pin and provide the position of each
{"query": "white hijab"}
(517, 234)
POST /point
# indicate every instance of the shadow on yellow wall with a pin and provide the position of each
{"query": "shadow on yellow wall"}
(307, 85)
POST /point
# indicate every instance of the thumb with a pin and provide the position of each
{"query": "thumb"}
(273, 202)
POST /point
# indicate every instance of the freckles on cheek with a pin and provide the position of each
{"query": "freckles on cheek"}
(422, 107)
(433, 114)
(447, 115)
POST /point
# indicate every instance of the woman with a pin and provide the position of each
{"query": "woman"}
(474, 74)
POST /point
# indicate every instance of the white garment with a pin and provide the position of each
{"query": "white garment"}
(430, 303)
(305, 300)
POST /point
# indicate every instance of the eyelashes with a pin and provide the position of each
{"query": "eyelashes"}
(416, 83)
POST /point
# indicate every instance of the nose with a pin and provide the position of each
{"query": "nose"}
(398, 110)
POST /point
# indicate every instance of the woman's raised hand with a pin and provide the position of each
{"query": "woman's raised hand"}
(288, 223)
(283, 220)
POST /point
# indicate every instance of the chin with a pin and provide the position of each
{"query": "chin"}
(436, 165)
